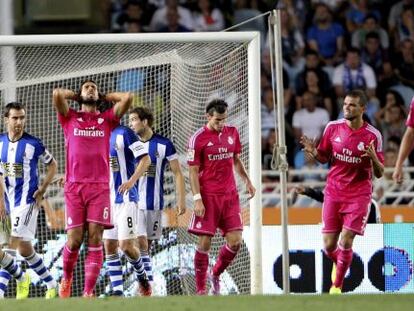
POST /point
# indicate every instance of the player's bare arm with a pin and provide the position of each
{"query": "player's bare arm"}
(3, 213)
(179, 186)
(199, 208)
(309, 147)
(376, 164)
(50, 173)
(122, 100)
(405, 150)
(60, 97)
(241, 170)
(141, 168)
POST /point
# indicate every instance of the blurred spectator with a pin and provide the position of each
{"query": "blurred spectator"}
(353, 74)
(292, 45)
(312, 61)
(325, 36)
(370, 25)
(391, 98)
(246, 9)
(325, 97)
(268, 142)
(405, 26)
(393, 121)
(404, 63)
(333, 5)
(310, 120)
(297, 10)
(132, 10)
(133, 26)
(386, 183)
(173, 24)
(395, 13)
(159, 19)
(268, 112)
(373, 54)
(356, 14)
(208, 17)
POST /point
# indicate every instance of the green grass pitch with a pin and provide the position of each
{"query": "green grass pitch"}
(380, 302)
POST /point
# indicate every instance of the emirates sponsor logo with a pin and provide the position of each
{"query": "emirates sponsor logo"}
(88, 132)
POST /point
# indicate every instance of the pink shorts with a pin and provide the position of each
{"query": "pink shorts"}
(351, 215)
(222, 211)
(87, 202)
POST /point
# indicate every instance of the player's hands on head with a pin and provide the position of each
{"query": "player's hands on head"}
(199, 209)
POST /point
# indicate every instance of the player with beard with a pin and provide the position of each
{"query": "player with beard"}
(87, 133)
(354, 149)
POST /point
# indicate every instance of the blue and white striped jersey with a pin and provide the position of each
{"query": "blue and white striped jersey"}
(151, 186)
(19, 162)
(124, 154)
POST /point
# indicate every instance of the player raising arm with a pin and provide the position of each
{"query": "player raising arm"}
(354, 149)
(19, 187)
(87, 133)
(213, 152)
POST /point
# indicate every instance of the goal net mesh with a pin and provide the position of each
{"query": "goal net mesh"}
(176, 80)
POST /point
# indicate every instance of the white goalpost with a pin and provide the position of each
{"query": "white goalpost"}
(175, 75)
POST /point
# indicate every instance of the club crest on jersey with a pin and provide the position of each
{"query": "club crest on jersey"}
(190, 155)
(198, 225)
(361, 146)
(230, 140)
(80, 119)
(157, 155)
(100, 120)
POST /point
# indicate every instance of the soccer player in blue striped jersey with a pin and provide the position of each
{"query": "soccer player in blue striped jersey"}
(151, 185)
(129, 160)
(19, 180)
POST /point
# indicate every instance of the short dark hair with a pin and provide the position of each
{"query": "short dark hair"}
(13, 105)
(144, 113)
(372, 35)
(216, 105)
(358, 93)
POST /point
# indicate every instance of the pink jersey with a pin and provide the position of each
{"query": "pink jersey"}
(87, 145)
(350, 175)
(410, 118)
(214, 152)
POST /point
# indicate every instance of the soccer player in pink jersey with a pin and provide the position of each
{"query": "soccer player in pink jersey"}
(354, 149)
(87, 133)
(213, 153)
(406, 145)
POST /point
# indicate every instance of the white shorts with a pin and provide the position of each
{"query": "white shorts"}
(124, 218)
(24, 221)
(149, 224)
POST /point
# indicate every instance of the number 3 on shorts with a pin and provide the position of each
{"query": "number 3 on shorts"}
(105, 213)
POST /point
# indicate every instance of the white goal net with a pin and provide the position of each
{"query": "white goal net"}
(176, 80)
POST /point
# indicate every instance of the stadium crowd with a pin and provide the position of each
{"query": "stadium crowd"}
(329, 47)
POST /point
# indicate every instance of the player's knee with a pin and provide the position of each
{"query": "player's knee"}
(235, 246)
(127, 247)
(204, 245)
(74, 243)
